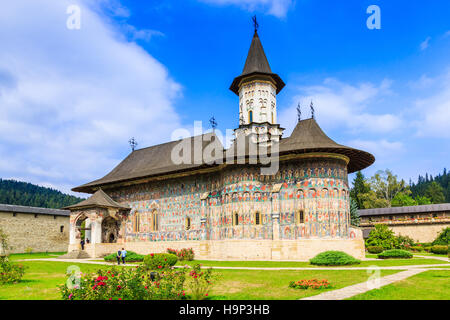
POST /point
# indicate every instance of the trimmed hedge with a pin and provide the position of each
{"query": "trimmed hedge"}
(416, 249)
(333, 258)
(439, 249)
(131, 257)
(375, 249)
(155, 261)
(395, 254)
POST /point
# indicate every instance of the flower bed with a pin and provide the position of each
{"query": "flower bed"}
(10, 272)
(310, 283)
(155, 261)
(183, 254)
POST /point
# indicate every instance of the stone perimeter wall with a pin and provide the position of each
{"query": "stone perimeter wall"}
(420, 233)
(41, 234)
(292, 250)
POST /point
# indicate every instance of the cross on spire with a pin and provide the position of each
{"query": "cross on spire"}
(213, 123)
(255, 23)
(133, 143)
(299, 112)
(312, 109)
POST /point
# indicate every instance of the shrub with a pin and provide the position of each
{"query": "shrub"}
(131, 257)
(439, 249)
(183, 254)
(427, 249)
(374, 249)
(404, 242)
(333, 258)
(155, 261)
(395, 254)
(416, 248)
(126, 284)
(382, 236)
(443, 238)
(200, 282)
(312, 283)
(10, 272)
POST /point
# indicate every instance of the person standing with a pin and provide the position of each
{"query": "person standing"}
(124, 255)
(82, 244)
(119, 255)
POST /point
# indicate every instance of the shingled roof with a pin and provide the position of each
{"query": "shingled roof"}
(155, 160)
(98, 199)
(426, 208)
(308, 137)
(256, 64)
(36, 210)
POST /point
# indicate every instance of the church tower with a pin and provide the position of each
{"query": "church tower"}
(257, 88)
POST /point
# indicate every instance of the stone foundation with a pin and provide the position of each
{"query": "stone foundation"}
(289, 250)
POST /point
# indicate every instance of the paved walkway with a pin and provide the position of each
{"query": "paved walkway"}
(359, 288)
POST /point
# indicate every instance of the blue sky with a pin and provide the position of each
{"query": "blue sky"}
(71, 99)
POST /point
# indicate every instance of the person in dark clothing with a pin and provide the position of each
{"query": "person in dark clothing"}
(82, 244)
(119, 255)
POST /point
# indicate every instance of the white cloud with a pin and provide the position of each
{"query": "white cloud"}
(425, 44)
(340, 104)
(71, 99)
(277, 8)
(434, 110)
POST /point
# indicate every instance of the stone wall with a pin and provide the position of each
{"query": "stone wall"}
(41, 232)
(420, 232)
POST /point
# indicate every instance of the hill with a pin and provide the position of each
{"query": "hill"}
(28, 194)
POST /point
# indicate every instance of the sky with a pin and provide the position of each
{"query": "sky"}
(79, 78)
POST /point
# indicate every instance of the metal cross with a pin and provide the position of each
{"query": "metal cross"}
(133, 143)
(299, 112)
(255, 23)
(312, 109)
(213, 123)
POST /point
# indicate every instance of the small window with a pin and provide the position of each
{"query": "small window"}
(435, 215)
(188, 223)
(35, 215)
(54, 217)
(155, 221)
(257, 218)
(61, 229)
(300, 217)
(250, 116)
(235, 219)
(14, 214)
(391, 218)
(412, 216)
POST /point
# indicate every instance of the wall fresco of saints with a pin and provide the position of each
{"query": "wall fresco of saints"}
(237, 204)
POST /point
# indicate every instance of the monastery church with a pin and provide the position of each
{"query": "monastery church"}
(229, 209)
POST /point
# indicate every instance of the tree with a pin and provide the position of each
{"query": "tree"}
(403, 200)
(360, 186)
(421, 200)
(354, 214)
(443, 239)
(435, 193)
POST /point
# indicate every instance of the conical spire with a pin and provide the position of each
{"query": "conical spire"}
(256, 58)
(256, 64)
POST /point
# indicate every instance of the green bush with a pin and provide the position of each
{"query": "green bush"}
(131, 257)
(333, 258)
(374, 249)
(439, 249)
(155, 261)
(382, 236)
(416, 248)
(427, 248)
(10, 272)
(404, 242)
(395, 254)
(443, 238)
(182, 254)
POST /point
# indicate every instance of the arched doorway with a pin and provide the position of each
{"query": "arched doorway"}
(110, 230)
(83, 228)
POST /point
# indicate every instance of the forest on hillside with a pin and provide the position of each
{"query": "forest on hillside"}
(28, 194)
(384, 189)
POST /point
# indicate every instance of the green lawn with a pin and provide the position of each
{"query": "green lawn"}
(428, 285)
(304, 264)
(42, 279)
(37, 255)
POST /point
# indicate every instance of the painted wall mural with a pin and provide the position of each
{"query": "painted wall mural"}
(238, 202)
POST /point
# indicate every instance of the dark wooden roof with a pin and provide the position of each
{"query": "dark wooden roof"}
(256, 64)
(98, 199)
(35, 210)
(427, 208)
(155, 160)
(308, 137)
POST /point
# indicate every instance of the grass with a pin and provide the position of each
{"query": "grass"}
(42, 279)
(304, 264)
(37, 255)
(428, 285)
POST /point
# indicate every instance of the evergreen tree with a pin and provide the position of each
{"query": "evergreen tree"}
(360, 186)
(435, 193)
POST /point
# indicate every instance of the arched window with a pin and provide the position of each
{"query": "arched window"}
(188, 223)
(300, 217)
(257, 218)
(136, 222)
(154, 221)
(272, 118)
(235, 219)
(61, 229)
(250, 116)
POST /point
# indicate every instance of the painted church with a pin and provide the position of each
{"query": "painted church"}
(232, 205)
